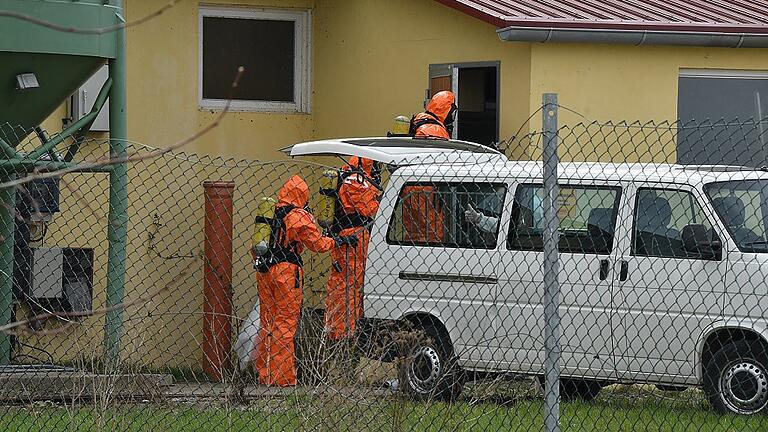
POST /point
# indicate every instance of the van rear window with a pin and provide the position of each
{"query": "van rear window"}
(463, 215)
(587, 218)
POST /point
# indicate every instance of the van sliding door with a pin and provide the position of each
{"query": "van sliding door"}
(437, 262)
(587, 216)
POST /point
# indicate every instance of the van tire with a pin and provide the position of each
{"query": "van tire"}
(572, 389)
(736, 378)
(429, 370)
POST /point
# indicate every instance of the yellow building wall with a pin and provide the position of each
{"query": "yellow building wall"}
(620, 83)
(370, 63)
(373, 62)
(163, 74)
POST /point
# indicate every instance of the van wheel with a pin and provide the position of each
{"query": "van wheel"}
(736, 378)
(572, 389)
(429, 370)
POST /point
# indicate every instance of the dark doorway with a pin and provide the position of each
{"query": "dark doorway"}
(478, 106)
(476, 86)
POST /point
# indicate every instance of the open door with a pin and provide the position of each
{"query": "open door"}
(476, 87)
(399, 151)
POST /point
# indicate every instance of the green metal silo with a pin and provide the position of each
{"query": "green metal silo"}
(48, 48)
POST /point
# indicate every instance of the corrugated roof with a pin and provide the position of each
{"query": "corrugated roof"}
(729, 16)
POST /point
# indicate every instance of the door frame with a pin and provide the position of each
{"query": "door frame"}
(452, 70)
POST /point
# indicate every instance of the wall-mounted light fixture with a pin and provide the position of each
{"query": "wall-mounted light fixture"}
(26, 81)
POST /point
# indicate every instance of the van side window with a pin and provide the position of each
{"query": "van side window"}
(661, 215)
(587, 219)
(433, 214)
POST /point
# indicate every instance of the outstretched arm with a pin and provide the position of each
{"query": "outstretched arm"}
(303, 229)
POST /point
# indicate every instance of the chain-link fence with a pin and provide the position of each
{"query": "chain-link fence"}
(452, 290)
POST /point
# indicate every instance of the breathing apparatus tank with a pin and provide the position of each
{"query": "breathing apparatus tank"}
(329, 183)
(402, 124)
(262, 229)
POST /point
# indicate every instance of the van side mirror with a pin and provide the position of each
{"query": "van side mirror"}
(697, 239)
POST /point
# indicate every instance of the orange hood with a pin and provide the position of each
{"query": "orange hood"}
(440, 104)
(294, 192)
(358, 162)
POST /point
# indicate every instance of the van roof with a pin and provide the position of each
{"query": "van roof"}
(659, 172)
(454, 158)
(400, 151)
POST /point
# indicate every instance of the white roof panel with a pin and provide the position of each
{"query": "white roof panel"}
(400, 151)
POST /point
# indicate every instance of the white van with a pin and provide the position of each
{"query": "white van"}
(662, 270)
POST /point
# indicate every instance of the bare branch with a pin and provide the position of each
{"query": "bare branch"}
(97, 30)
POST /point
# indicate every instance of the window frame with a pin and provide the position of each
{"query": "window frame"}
(616, 206)
(673, 188)
(302, 59)
(393, 214)
(707, 187)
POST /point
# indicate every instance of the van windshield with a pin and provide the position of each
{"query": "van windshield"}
(742, 205)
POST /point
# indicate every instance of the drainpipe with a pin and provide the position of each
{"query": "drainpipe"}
(117, 230)
(217, 281)
(633, 37)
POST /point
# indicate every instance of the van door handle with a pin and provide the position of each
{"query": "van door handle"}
(623, 271)
(605, 266)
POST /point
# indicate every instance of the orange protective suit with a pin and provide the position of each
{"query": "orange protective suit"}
(280, 289)
(423, 220)
(422, 214)
(344, 295)
(439, 108)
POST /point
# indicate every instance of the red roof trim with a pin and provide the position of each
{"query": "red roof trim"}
(475, 12)
(720, 16)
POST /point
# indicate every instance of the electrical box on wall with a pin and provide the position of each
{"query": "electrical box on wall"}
(57, 279)
(82, 100)
(40, 200)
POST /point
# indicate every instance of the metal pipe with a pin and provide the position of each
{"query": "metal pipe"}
(66, 133)
(217, 280)
(7, 211)
(84, 122)
(632, 37)
(8, 151)
(551, 267)
(80, 134)
(117, 228)
(44, 138)
(760, 127)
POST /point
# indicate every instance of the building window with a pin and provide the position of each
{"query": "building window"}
(272, 45)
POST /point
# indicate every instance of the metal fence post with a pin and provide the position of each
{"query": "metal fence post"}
(551, 266)
(7, 228)
(117, 230)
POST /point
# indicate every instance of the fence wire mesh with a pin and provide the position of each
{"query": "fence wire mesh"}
(418, 304)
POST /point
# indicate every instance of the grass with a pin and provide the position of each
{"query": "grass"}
(617, 409)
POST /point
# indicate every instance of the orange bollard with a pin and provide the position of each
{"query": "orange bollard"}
(217, 284)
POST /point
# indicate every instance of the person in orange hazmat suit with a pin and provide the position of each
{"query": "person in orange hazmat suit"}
(437, 121)
(280, 281)
(357, 202)
(422, 212)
